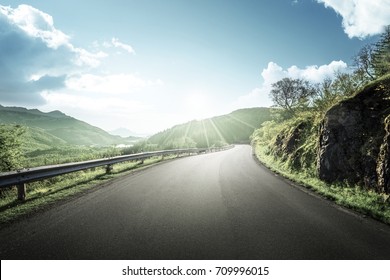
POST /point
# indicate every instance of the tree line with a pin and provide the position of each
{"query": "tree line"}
(370, 63)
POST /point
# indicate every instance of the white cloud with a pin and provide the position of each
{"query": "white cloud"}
(111, 84)
(317, 74)
(78, 102)
(361, 18)
(116, 43)
(273, 73)
(43, 58)
(86, 58)
(312, 73)
(36, 24)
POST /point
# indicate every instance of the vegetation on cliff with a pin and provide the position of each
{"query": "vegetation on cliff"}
(336, 140)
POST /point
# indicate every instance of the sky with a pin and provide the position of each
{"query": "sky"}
(146, 65)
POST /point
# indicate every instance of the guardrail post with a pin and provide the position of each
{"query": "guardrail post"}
(21, 192)
(108, 168)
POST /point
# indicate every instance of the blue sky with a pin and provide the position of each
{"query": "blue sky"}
(147, 65)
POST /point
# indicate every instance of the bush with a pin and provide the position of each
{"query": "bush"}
(10, 143)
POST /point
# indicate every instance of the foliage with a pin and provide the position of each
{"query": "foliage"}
(363, 62)
(10, 147)
(65, 154)
(373, 60)
(381, 54)
(331, 92)
(292, 94)
(294, 141)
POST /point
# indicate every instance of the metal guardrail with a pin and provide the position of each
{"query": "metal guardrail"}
(20, 178)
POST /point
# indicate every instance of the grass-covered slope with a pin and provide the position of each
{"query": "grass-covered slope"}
(235, 127)
(55, 128)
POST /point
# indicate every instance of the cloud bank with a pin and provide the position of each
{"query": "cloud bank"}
(274, 73)
(361, 18)
(312, 73)
(35, 56)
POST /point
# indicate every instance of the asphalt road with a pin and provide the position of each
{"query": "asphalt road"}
(214, 206)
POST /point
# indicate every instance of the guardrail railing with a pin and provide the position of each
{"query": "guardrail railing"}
(20, 178)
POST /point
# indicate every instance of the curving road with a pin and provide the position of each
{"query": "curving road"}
(214, 206)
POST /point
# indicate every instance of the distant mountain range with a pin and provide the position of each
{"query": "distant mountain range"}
(53, 129)
(236, 127)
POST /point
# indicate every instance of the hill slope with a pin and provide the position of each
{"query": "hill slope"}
(349, 144)
(235, 127)
(55, 128)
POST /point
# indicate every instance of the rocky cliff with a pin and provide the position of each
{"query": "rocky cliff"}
(354, 139)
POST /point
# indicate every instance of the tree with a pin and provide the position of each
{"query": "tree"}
(373, 60)
(381, 54)
(10, 147)
(346, 84)
(292, 94)
(325, 96)
(364, 63)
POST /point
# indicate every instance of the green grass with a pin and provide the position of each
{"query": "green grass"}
(41, 195)
(366, 202)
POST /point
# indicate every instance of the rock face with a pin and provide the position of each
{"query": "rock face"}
(354, 139)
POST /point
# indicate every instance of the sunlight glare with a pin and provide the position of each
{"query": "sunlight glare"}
(199, 106)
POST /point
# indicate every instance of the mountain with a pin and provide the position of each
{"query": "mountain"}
(235, 127)
(54, 129)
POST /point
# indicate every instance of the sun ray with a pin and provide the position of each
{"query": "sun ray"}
(188, 129)
(217, 131)
(241, 121)
(186, 133)
(205, 134)
(168, 137)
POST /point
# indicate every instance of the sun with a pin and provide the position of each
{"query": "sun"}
(199, 106)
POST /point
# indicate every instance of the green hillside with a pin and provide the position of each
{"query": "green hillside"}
(54, 129)
(235, 127)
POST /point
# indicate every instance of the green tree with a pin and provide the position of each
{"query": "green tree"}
(381, 54)
(10, 147)
(346, 84)
(364, 63)
(292, 94)
(325, 96)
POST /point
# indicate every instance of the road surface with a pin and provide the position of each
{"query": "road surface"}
(214, 206)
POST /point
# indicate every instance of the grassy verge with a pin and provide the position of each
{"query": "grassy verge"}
(356, 198)
(42, 194)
